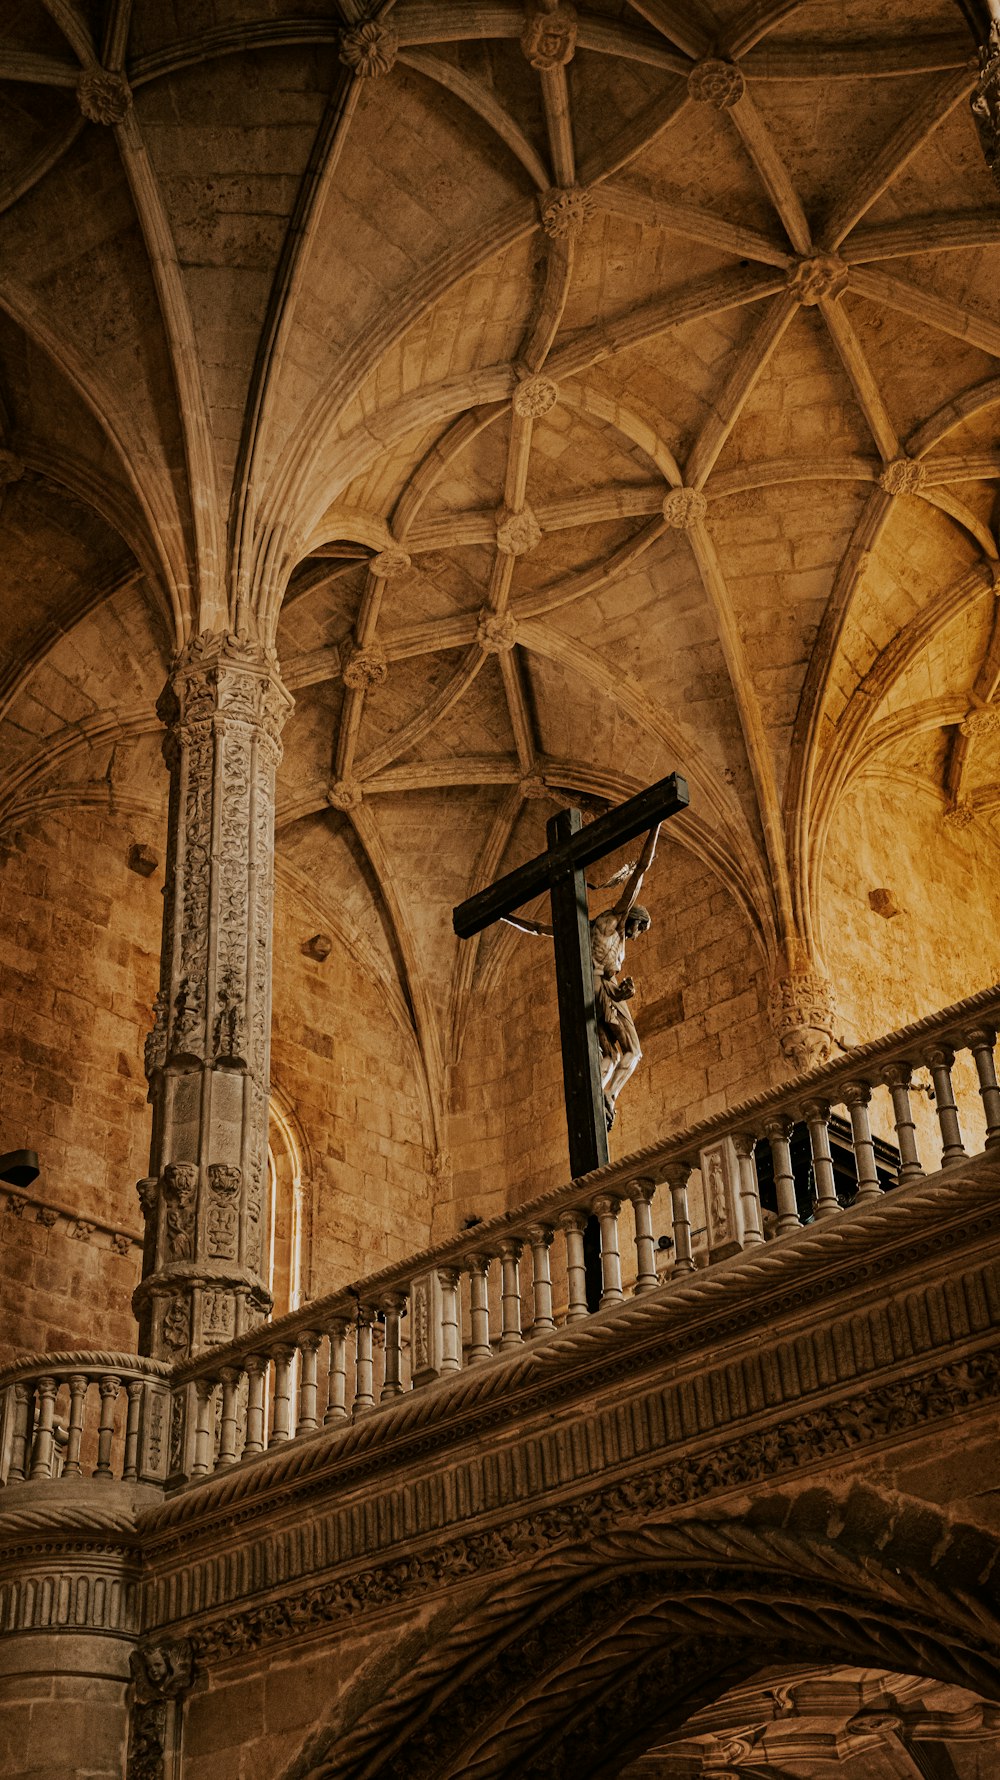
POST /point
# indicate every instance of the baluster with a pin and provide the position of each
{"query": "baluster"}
(451, 1328)
(281, 1409)
(392, 1309)
(308, 1345)
(479, 1308)
(744, 1143)
(817, 1116)
(778, 1132)
(677, 1175)
(857, 1096)
(201, 1460)
(573, 1224)
(23, 1416)
(940, 1061)
(540, 1238)
(109, 1388)
(364, 1373)
(897, 1077)
(606, 1209)
(134, 1390)
(640, 1192)
(231, 1376)
(510, 1296)
(336, 1403)
(43, 1446)
(256, 1369)
(980, 1042)
(78, 1384)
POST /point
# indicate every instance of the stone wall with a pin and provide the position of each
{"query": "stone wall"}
(79, 941)
(342, 1063)
(944, 942)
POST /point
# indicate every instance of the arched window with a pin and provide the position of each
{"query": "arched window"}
(289, 1242)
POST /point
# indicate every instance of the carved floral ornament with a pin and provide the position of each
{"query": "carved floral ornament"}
(548, 39)
(902, 476)
(716, 82)
(534, 397)
(344, 794)
(369, 50)
(517, 533)
(390, 563)
(565, 210)
(366, 666)
(981, 722)
(104, 97)
(816, 277)
(496, 632)
(960, 815)
(684, 508)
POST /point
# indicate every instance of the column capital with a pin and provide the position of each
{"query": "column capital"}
(606, 1205)
(856, 1093)
(815, 1111)
(540, 1235)
(222, 675)
(744, 1143)
(573, 1222)
(940, 1056)
(780, 1127)
(980, 1037)
(641, 1191)
(897, 1074)
(677, 1174)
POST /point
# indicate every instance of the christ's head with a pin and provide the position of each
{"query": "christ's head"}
(636, 921)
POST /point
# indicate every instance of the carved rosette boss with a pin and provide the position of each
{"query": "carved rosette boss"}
(207, 1058)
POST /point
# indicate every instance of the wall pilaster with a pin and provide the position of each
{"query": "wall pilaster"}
(207, 1057)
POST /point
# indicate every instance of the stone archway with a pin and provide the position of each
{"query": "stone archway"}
(654, 1618)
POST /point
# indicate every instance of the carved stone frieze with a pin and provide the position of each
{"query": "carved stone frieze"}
(370, 49)
(815, 277)
(827, 1431)
(904, 475)
(534, 397)
(517, 532)
(802, 1010)
(548, 39)
(565, 211)
(365, 667)
(179, 1187)
(716, 82)
(104, 97)
(496, 632)
(222, 1219)
(161, 1675)
(684, 508)
(985, 100)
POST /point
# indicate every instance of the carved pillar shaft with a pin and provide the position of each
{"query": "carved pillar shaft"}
(207, 1056)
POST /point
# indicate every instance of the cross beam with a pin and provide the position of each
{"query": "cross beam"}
(560, 872)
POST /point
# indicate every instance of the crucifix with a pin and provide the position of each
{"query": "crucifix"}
(561, 870)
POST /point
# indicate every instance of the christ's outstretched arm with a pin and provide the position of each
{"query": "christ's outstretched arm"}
(630, 894)
(525, 926)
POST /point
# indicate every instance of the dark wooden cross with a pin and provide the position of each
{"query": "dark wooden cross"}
(561, 871)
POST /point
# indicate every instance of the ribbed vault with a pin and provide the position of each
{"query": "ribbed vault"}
(572, 397)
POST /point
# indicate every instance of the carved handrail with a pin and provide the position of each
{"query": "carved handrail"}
(825, 1083)
(67, 1416)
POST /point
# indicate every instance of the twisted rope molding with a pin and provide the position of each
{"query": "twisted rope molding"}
(840, 1538)
(27, 1366)
(936, 1214)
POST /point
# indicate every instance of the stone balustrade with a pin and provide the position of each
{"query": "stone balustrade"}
(75, 1415)
(521, 1277)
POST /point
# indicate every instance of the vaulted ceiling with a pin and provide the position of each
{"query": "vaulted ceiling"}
(575, 395)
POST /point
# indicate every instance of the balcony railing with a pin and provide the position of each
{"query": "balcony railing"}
(476, 1299)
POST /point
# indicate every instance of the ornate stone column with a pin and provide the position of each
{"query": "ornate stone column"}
(205, 1201)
